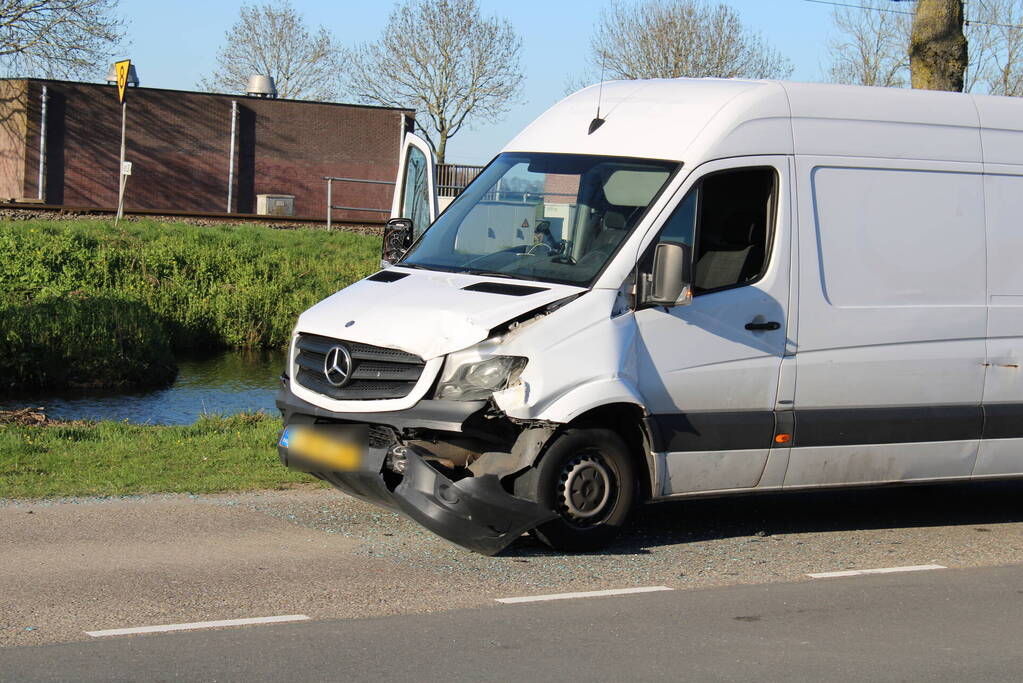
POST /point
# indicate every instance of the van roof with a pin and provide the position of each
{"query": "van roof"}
(694, 120)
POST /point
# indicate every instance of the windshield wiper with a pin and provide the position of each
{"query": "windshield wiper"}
(492, 273)
(422, 267)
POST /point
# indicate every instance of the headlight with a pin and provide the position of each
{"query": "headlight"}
(477, 381)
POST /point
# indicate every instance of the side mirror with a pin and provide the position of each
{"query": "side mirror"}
(397, 240)
(670, 282)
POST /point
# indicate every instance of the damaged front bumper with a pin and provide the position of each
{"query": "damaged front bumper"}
(475, 512)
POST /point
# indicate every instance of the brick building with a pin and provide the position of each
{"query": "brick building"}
(179, 144)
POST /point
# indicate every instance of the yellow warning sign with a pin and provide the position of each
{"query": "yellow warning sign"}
(122, 78)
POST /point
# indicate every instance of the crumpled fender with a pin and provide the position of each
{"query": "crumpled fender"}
(584, 397)
(475, 512)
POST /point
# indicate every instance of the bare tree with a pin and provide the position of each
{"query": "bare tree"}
(871, 46)
(937, 46)
(273, 40)
(995, 34)
(680, 38)
(444, 59)
(58, 38)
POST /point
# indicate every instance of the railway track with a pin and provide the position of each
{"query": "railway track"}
(27, 211)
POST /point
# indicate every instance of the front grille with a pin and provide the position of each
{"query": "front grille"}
(377, 372)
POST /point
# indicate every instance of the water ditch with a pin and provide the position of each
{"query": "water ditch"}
(227, 383)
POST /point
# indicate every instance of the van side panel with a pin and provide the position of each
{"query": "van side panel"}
(882, 123)
(892, 320)
(1001, 452)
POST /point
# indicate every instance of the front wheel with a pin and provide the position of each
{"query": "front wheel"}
(587, 476)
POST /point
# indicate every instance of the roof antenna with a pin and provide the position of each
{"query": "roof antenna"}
(597, 122)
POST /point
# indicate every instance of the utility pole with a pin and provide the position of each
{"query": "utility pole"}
(937, 46)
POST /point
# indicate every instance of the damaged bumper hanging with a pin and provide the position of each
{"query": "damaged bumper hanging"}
(474, 512)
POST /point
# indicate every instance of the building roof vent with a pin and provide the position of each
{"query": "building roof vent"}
(133, 76)
(261, 86)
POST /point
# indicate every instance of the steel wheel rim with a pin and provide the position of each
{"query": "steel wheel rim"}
(585, 490)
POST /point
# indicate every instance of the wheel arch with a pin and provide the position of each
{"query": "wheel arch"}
(629, 421)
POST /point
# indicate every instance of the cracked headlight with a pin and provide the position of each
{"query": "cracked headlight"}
(477, 381)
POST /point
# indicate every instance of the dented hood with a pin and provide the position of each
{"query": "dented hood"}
(427, 313)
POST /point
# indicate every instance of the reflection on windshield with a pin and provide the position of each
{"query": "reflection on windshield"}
(555, 217)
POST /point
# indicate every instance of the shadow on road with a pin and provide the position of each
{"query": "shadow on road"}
(670, 523)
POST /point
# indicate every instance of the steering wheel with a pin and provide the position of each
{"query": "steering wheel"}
(518, 249)
(598, 255)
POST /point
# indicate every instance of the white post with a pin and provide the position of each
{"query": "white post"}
(230, 169)
(330, 202)
(42, 145)
(120, 170)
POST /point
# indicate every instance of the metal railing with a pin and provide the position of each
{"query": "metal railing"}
(452, 178)
(330, 196)
(523, 196)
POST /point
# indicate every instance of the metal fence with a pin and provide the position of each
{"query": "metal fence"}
(452, 178)
(330, 197)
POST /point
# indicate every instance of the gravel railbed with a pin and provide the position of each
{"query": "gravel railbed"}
(30, 214)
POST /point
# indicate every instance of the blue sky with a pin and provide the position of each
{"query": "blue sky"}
(174, 43)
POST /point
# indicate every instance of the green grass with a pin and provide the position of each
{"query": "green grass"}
(82, 341)
(116, 302)
(216, 453)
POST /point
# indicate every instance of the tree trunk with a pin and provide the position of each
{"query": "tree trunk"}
(442, 146)
(937, 48)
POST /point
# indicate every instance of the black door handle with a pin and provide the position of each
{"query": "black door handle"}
(757, 327)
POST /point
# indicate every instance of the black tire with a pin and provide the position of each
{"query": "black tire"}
(588, 477)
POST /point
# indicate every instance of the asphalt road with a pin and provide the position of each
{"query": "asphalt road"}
(362, 575)
(944, 625)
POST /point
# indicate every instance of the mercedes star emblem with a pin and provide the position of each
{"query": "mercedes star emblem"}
(337, 366)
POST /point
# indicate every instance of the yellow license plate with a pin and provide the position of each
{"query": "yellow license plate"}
(327, 450)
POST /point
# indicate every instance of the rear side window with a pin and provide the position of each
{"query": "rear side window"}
(727, 219)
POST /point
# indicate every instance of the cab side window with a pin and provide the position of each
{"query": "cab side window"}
(736, 210)
(727, 219)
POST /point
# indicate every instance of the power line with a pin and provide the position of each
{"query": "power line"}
(968, 22)
(875, 9)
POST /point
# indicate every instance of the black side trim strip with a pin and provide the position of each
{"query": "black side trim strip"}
(857, 426)
(834, 427)
(1003, 421)
(715, 431)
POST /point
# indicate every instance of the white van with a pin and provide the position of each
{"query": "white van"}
(711, 287)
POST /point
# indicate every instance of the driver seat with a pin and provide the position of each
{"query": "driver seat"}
(727, 254)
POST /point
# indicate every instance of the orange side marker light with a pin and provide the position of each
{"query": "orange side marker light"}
(782, 438)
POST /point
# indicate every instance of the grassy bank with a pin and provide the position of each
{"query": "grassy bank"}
(114, 458)
(115, 303)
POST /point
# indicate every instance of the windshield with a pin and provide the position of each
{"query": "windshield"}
(557, 217)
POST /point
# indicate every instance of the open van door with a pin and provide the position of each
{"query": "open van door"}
(415, 194)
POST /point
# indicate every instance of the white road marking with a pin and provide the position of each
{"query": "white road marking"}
(584, 594)
(196, 625)
(884, 570)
